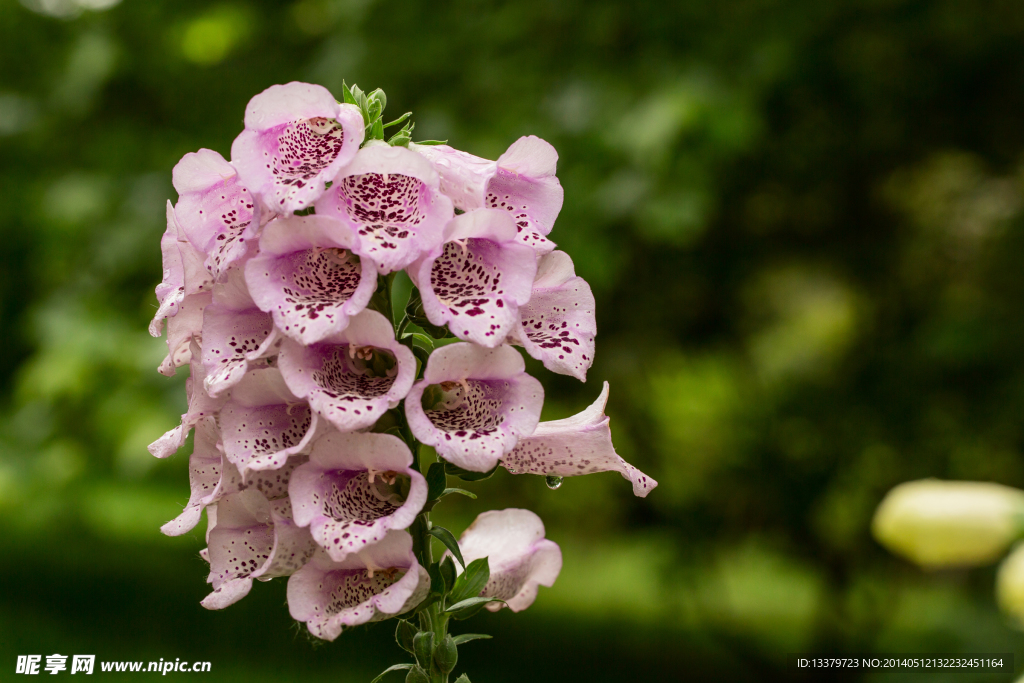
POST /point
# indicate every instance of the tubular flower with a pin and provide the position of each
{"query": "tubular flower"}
(351, 379)
(216, 213)
(308, 278)
(476, 281)
(522, 181)
(350, 493)
(479, 404)
(183, 294)
(557, 326)
(296, 138)
(262, 424)
(581, 444)
(390, 198)
(379, 581)
(200, 405)
(235, 332)
(252, 538)
(519, 556)
(204, 476)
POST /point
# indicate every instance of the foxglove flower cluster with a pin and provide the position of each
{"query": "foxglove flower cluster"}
(311, 392)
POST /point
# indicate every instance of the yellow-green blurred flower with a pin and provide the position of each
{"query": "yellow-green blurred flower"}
(938, 523)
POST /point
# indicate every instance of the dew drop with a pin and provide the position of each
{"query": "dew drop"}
(553, 481)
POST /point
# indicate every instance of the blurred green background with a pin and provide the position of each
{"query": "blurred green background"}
(803, 222)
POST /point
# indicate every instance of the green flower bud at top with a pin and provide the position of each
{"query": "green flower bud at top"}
(939, 524)
(423, 647)
(1010, 585)
(446, 655)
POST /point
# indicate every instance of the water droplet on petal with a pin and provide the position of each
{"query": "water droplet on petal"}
(553, 481)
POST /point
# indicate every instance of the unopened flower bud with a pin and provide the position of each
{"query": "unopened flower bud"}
(446, 655)
(423, 647)
(937, 523)
(1010, 585)
(417, 675)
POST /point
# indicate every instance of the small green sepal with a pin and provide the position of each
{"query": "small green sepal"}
(423, 648)
(404, 635)
(448, 539)
(436, 481)
(472, 581)
(446, 655)
(396, 667)
(469, 637)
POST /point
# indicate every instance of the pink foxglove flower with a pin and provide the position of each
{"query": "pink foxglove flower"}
(200, 405)
(373, 584)
(235, 333)
(204, 475)
(263, 423)
(522, 181)
(390, 197)
(308, 278)
(183, 294)
(252, 538)
(480, 404)
(352, 378)
(581, 444)
(296, 139)
(476, 281)
(557, 326)
(217, 215)
(349, 494)
(519, 557)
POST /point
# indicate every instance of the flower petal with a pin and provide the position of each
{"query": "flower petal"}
(230, 340)
(476, 281)
(200, 405)
(519, 557)
(343, 493)
(263, 424)
(487, 403)
(204, 475)
(338, 378)
(216, 213)
(364, 587)
(390, 197)
(296, 138)
(558, 325)
(307, 277)
(581, 444)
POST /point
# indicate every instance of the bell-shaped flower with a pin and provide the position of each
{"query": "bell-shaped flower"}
(390, 198)
(474, 404)
(581, 444)
(235, 332)
(296, 139)
(183, 294)
(263, 423)
(200, 405)
(379, 581)
(308, 278)
(253, 538)
(212, 477)
(476, 281)
(518, 555)
(557, 325)
(522, 181)
(355, 488)
(353, 377)
(217, 215)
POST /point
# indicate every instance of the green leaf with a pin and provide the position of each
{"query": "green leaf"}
(472, 581)
(467, 637)
(432, 142)
(404, 635)
(467, 475)
(347, 93)
(376, 130)
(414, 309)
(396, 667)
(464, 609)
(436, 580)
(423, 647)
(448, 539)
(379, 96)
(397, 121)
(461, 492)
(436, 481)
(462, 679)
